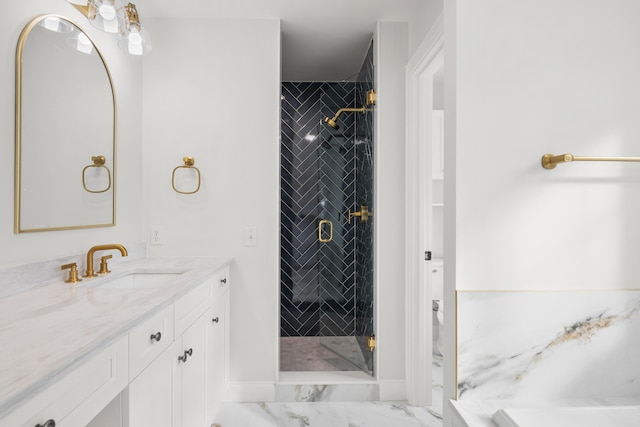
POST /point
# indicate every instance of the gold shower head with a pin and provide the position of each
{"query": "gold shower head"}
(332, 122)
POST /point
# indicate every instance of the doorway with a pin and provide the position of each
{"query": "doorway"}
(425, 216)
(326, 261)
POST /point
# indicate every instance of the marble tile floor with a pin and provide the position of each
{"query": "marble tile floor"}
(336, 414)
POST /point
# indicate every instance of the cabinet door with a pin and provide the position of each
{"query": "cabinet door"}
(217, 350)
(151, 394)
(192, 374)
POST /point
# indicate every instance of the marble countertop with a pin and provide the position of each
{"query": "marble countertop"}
(47, 331)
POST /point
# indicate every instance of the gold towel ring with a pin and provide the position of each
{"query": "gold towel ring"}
(98, 162)
(188, 164)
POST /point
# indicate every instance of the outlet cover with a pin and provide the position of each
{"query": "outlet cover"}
(156, 236)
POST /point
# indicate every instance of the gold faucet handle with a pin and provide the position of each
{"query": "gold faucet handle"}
(104, 268)
(73, 273)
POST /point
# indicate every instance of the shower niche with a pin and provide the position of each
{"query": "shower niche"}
(326, 262)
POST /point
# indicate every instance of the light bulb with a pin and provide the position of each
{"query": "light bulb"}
(107, 12)
(107, 15)
(134, 38)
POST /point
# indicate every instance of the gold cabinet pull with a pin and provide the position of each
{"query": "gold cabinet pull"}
(320, 224)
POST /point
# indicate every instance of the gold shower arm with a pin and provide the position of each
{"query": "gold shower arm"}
(349, 110)
(371, 99)
(549, 161)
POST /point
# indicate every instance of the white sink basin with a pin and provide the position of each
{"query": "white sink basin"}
(139, 280)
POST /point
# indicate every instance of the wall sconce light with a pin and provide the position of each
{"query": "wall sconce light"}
(134, 39)
(106, 15)
(112, 17)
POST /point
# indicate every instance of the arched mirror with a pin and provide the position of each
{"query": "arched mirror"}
(65, 130)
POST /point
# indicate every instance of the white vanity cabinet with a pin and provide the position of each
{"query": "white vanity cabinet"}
(79, 396)
(184, 385)
(217, 335)
(152, 356)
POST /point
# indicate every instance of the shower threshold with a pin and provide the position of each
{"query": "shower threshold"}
(339, 386)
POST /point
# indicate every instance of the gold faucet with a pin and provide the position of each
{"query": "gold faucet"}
(93, 250)
(73, 273)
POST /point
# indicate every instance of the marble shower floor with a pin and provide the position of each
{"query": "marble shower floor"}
(309, 354)
(334, 414)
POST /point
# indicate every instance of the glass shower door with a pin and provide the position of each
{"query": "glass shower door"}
(337, 262)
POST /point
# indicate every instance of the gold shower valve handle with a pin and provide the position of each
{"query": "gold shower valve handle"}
(364, 214)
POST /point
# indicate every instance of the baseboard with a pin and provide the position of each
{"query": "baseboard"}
(251, 391)
(393, 390)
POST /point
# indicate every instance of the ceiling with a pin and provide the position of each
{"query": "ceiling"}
(322, 40)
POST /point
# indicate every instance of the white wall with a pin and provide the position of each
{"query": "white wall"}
(390, 58)
(426, 13)
(524, 79)
(212, 91)
(535, 78)
(126, 73)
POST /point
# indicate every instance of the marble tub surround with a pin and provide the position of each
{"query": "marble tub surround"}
(47, 331)
(548, 345)
(480, 413)
(20, 278)
(590, 416)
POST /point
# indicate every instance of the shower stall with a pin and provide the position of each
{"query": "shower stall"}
(326, 262)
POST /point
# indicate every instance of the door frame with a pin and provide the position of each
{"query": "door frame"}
(428, 58)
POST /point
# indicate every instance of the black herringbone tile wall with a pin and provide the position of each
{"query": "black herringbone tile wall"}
(317, 182)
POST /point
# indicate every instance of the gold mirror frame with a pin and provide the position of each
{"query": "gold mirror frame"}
(18, 132)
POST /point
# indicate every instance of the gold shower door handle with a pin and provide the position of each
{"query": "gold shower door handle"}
(320, 224)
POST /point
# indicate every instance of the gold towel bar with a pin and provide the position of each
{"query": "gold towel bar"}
(549, 161)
